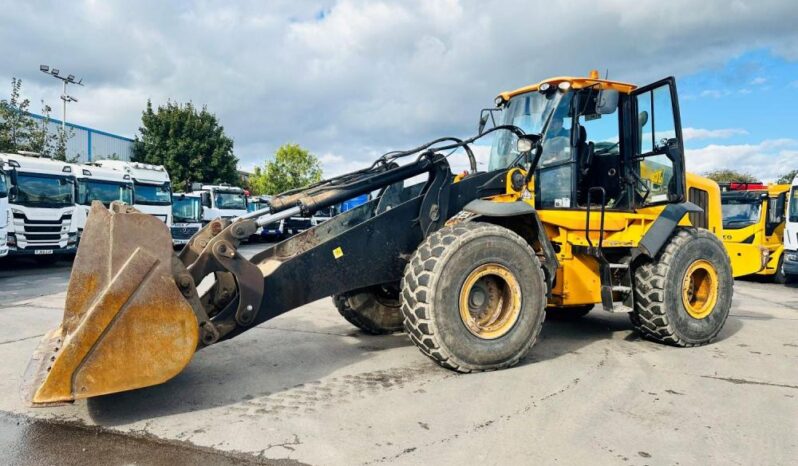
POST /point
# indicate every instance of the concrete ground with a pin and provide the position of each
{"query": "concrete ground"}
(309, 388)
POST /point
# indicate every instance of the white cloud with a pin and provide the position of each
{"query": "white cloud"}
(700, 133)
(758, 81)
(364, 77)
(715, 93)
(767, 160)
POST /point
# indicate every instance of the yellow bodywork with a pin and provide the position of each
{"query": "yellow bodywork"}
(773, 244)
(577, 280)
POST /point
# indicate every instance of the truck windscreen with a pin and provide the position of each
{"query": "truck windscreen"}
(152, 194)
(230, 201)
(186, 210)
(740, 213)
(37, 190)
(104, 191)
(3, 185)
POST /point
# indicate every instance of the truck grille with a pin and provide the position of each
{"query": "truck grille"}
(41, 234)
(183, 232)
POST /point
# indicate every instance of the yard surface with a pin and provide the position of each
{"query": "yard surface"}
(308, 388)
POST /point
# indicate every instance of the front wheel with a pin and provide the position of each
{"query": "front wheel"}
(473, 297)
(683, 297)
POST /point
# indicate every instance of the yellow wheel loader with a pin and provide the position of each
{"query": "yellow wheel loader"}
(585, 201)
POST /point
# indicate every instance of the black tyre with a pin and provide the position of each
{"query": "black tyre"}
(375, 310)
(568, 313)
(683, 297)
(780, 277)
(473, 297)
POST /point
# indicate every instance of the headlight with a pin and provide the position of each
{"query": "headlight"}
(791, 256)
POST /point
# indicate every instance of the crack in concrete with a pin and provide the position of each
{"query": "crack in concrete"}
(749, 382)
(21, 339)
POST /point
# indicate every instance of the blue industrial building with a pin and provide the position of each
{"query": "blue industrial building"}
(90, 144)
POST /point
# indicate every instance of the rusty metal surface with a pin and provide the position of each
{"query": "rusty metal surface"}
(126, 324)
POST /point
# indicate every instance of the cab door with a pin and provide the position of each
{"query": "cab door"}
(657, 158)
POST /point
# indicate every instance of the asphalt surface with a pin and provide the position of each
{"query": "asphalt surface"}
(307, 388)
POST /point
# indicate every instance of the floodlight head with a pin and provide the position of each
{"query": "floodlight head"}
(44, 68)
(71, 78)
(54, 72)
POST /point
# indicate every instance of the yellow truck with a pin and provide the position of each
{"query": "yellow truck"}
(755, 214)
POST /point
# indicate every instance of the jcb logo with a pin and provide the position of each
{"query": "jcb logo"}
(727, 237)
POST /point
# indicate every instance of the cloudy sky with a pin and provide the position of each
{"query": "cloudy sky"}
(351, 79)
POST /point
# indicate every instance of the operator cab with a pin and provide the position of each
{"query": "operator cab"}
(603, 141)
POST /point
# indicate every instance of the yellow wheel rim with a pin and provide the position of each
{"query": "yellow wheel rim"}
(700, 289)
(490, 301)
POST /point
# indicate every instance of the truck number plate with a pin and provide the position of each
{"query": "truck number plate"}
(43, 252)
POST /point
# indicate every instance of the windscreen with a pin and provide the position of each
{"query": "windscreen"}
(36, 190)
(104, 191)
(153, 194)
(794, 204)
(230, 201)
(186, 210)
(740, 213)
(3, 185)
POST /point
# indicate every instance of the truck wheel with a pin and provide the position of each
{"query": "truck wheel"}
(473, 297)
(374, 310)
(568, 313)
(683, 297)
(780, 277)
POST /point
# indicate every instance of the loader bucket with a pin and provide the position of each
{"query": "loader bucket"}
(126, 325)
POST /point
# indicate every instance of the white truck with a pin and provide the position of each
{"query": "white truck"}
(5, 214)
(41, 200)
(152, 188)
(223, 201)
(790, 262)
(96, 183)
(186, 217)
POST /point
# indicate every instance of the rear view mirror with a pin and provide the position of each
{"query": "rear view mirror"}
(523, 145)
(483, 120)
(607, 102)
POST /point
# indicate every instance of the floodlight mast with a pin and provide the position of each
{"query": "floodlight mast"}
(70, 79)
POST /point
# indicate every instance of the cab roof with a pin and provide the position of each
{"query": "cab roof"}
(575, 83)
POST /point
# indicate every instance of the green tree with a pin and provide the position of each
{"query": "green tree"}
(292, 167)
(15, 122)
(190, 143)
(40, 138)
(19, 131)
(728, 176)
(787, 177)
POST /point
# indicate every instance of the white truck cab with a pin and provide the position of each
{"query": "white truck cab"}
(96, 183)
(152, 188)
(790, 263)
(41, 201)
(223, 201)
(186, 217)
(5, 214)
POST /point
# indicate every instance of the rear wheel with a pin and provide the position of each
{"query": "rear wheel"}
(568, 313)
(473, 297)
(780, 277)
(684, 296)
(374, 310)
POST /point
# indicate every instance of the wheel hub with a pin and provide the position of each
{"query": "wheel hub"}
(700, 289)
(490, 301)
